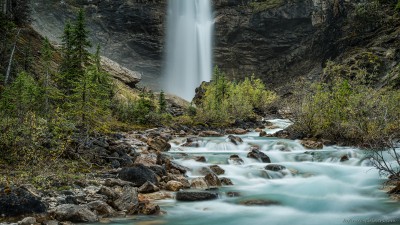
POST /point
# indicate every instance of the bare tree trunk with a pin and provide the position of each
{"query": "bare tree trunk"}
(11, 58)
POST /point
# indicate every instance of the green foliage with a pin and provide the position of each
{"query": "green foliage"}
(226, 101)
(397, 7)
(162, 103)
(348, 112)
(368, 16)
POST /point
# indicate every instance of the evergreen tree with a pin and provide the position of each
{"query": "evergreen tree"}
(162, 103)
(80, 56)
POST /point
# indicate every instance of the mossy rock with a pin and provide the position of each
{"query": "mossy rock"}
(263, 5)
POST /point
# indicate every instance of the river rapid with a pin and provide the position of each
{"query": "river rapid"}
(317, 187)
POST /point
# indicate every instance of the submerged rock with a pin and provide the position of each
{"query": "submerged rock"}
(226, 181)
(74, 213)
(258, 202)
(138, 174)
(275, 167)
(344, 158)
(235, 160)
(190, 196)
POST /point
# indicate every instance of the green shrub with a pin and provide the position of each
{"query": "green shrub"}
(225, 101)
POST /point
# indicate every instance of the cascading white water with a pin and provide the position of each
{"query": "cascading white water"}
(189, 44)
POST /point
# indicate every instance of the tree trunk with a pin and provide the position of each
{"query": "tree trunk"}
(11, 58)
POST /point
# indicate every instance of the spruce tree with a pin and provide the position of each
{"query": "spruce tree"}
(162, 103)
(80, 43)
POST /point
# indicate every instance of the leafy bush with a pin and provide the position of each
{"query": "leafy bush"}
(348, 112)
(226, 101)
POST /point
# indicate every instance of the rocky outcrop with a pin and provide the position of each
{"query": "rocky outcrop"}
(19, 201)
(126, 76)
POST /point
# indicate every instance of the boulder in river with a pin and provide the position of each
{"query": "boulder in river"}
(138, 174)
(311, 144)
(235, 139)
(199, 183)
(226, 181)
(235, 160)
(275, 167)
(149, 159)
(19, 201)
(212, 180)
(260, 156)
(174, 185)
(74, 213)
(190, 196)
(217, 169)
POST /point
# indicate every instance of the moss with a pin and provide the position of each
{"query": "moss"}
(264, 5)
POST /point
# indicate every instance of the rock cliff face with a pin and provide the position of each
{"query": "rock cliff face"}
(277, 40)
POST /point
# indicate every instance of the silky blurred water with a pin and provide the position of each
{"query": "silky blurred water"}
(315, 188)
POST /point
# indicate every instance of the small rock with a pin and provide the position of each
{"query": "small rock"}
(258, 130)
(50, 222)
(108, 192)
(235, 160)
(101, 208)
(310, 144)
(226, 181)
(260, 156)
(263, 134)
(275, 167)
(150, 209)
(344, 158)
(172, 165)
(258, 202)
(212, 180)
(235, 139)
(236, 131)
(115, 164)
(111, 182)
(233, 194)
(210, 133)
(174, 185)
(190, 196)
(147, 159)
(217, 169)
(158, 144)
(27, 221)
(128, 201)
(178, 178)
(200, 159)
(148, 187)
(74, 213)
(199, 183)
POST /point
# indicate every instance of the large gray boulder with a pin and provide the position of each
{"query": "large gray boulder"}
(138, 174)
(74, 213)
(190, 196)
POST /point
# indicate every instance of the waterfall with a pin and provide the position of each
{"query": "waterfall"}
(189, 46)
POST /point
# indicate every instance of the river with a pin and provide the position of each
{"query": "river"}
(315, 188)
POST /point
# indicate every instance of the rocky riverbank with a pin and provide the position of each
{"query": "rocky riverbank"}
(133, 171)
